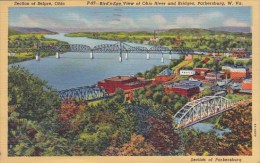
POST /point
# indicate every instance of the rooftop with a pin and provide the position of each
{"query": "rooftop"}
(197, 83)
(247, 81)
(120, 78)
(216, 88)
(234, 67)
(182, 85)
(215, 73)
(235, 85)
(201, 69)
(165, 72)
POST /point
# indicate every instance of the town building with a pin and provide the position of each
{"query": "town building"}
(154, 39)
(239, 72)
(187, 72)
(177, 41)
(236, 72)
(188, 57)
(205, 60)
(239, 52)
(185, 87)
(213, 76)
(216, 88)
(197, 78)
(201, 71)
(226, 54)
(123, 82)
(239, 55)
(164, 76)
(246, 86)
(233, 87)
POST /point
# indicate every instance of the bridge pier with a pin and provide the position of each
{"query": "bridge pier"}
(170, 56)
(162, 59)
(57, 55)
(147, 56)
(120, 58)
(91, 55)
(37, 56)
(126, 56)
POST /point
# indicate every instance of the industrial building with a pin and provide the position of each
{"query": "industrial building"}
(236, 72)
(123, 82)
(184, 87)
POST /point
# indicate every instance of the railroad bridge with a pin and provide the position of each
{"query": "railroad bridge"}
(201, 109)
(86, 93)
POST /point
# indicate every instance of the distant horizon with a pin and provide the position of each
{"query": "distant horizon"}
(72, 19)
(128, 30)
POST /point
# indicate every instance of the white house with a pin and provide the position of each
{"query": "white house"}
(187, 72)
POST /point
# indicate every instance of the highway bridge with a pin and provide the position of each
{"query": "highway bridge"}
(125, 48)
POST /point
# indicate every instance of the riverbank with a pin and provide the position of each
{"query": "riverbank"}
(23, 47)
(186, 38)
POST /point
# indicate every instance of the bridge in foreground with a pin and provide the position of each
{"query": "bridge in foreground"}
(201, 109)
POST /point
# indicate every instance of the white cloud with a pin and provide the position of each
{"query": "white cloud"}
(235, 22)
(34, 21)
(155, 21)
(202, 20)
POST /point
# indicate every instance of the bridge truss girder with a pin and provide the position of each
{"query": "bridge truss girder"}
(87, 93)
(200, 109)
(120, 47)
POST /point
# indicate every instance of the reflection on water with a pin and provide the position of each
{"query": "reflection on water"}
(206, 127)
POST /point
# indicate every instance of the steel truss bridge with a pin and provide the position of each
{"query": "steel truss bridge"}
(123, 47)
(86, 93)
(201, 109)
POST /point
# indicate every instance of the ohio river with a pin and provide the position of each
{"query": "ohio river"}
(76, 69)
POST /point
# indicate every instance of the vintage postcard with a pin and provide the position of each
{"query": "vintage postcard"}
(129, 81)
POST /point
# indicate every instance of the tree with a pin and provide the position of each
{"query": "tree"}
(32, 117)
(199, 143)
(239, 63)
(162, 136)
(228, 61)
(239, 141)
(149, 93)
(157, 97)
(119, 95)
(68, 118)
(137, 146)
(166, 99)
(206, 92)
(33, 98)
(139, 74)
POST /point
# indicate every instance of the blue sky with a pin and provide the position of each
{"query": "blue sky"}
(129, 18)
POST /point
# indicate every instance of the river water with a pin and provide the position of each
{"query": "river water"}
(76, 69)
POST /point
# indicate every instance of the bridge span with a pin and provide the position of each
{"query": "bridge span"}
(86, 93)
(123, 47)
(201, 109)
